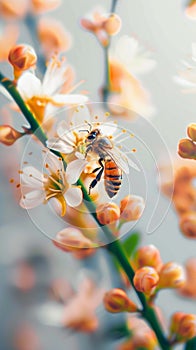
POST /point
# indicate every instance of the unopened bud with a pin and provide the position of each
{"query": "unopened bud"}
(41, 6)
(191, 9)
(71, 239)
(9, 135)
(22, 58)
(131, 208)
(171, 275)
(191, 131)
(108, 213)
(188, 224)
(13, 8)
(148, 256)
(116, 300)
(112, 25)
(146, 280)
(183, 326)
(187, 149)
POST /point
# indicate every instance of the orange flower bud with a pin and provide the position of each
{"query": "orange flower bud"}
(171, 275)
(13, 8)
(41, 6)
(187, 327)
(187, 149)
(189, 289)
(112, 25)
(191, 10)
(191, 131)
(108, 213)
(9, 135)
(188, 224)
(53, 36)
(116, 300)
(148, 256)
(22, 57)
(71, 239)
(131, 208)
(183, 326)
(146, 280)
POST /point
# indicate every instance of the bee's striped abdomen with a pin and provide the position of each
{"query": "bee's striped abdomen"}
(112, 177)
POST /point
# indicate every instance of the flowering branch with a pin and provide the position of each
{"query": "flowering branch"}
(115, 247)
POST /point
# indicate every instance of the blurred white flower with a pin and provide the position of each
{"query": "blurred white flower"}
(187, 77)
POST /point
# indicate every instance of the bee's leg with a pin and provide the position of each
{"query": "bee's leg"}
(88, 149)
(98, 177)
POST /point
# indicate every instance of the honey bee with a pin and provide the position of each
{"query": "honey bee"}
(112, 161)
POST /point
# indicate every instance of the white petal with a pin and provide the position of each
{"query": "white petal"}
(29, 85)
(53, 161)
(70, 99)
(32, 177)
(55, 77)
(59, 145)
(73, 196)
(108, 129)
(74, 170)
(32, 199)
(81, 116)
(66, 134)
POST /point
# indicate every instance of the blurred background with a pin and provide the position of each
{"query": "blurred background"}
(29, 263)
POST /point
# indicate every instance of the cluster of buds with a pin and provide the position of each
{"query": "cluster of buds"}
(130, 209)
(8, 135)
(102, 26)
(116, 300)
(73, 241)
(22, 58)
(151, 274)
(18, 9)
(191, 9)
(187, 147)
(182, 327)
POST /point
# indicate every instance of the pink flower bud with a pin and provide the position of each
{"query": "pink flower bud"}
(146, 280)
(188, 224)
(108, 213)
(116, 300)
(71, 239)
(22, 57)
(187, 149)
(191, 9)
(112, 25)
(131, 208)
(191, 131)
(171, 275)
(9, 135)
(148, 256)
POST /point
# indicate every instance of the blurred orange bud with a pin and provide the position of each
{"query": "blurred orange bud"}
(148, 256)
(72, 240)
(183, 326)
(188, 224)
(191, 9)
(22, 57)
(116, 300)
(187, 149)
(189, 289)
(53, 36)
(146, 280)
(112, 25)
(41, 6)
(191, 131)
(8, 39)
(9, 135)
(13, 8)
(131, 208)
(108, 213)
(171, 275)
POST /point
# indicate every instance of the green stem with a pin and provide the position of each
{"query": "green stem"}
(113, 7)
(191, 344)
(115, 247)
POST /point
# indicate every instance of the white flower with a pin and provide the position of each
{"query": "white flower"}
(187, 77)
(45, 97)
(131, 55)
(39, 187)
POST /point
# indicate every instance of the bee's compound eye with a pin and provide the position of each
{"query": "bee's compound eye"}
(92, 135)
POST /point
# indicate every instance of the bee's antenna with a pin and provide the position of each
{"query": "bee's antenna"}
(90, 125)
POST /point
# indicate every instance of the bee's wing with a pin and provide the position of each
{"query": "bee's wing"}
(121, 160)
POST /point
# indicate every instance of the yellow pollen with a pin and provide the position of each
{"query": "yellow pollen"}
(18, 185)
(134, 150)
(47, 166)
(25, 162)
(30, 153)
(107, 114)
(20, 172)
(96, 117)
(124, 130)
(11, 181)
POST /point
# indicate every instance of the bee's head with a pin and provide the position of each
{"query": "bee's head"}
(93, 135)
